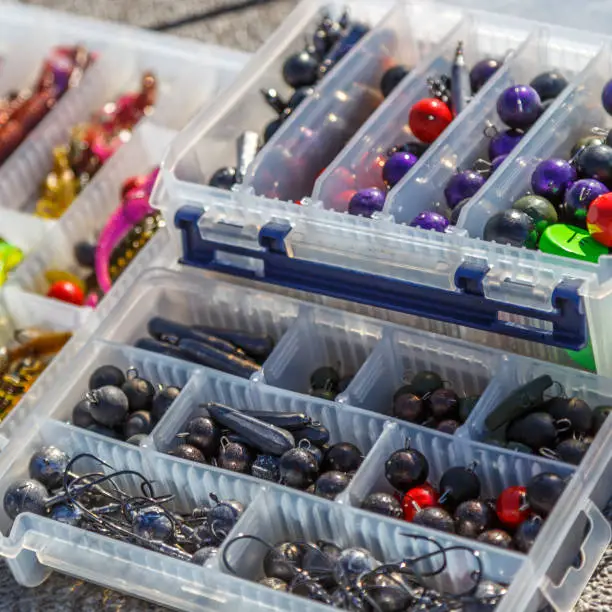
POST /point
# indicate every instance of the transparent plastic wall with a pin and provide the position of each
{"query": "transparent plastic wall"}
(346, 96)
(465, 141)
(578, 113)
(189, 75)
(482, 37)
(514, 278)
(289, 164)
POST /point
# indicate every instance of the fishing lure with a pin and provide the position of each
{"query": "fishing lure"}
(91, 145)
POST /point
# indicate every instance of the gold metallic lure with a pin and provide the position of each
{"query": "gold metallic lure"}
(133, 243)
(60, 187)
(23, 362)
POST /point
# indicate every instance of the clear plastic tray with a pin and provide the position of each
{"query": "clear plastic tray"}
(465, 142)
(580, 112)
(380, 356)
(123, 54)
(288, 165)
(189, 76)
(36, 545)
(348, 94)
(88, 214)
(524, 301)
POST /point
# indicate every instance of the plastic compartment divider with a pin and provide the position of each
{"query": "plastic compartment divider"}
(38, 540)
(242, 107)
(402, 353)
(89, 212)
(319, 338)
(521, 289)
(345, 423)
(283, 516)
(388, 125)
(558, 574)
(299, 151)
(464, 142)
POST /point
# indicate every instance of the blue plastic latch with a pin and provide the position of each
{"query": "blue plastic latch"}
(272, 237)
(567, 325)
(564, 325)
(469, 277)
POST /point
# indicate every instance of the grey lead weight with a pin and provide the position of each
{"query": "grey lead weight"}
(211, 357)
(171, 332)
(262, 436)
(461, 89)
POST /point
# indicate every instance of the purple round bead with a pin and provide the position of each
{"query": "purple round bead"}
(482, 71)
(366, 202)
(429, 220)
(61, 67)
(397, 166)
(462, 185)
(519, 106)
(497, 162)
(578, 198)
(551, 178)
(606, 97)
(503, 142)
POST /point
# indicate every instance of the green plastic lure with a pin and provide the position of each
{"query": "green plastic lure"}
(10, 257)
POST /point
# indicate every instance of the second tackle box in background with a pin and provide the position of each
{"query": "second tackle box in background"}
(215, 434)
(82, 128)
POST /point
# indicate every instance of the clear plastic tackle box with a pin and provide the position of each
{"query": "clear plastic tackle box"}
(306, 334)
(326, 286)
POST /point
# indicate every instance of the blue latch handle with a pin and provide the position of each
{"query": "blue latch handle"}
(467, 306)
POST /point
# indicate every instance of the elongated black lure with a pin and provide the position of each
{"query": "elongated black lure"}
(519, 402)
(261, 436)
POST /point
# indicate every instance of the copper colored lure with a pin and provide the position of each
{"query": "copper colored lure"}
(17, 381)
(21, 112)
(91, 145)
(50, 342)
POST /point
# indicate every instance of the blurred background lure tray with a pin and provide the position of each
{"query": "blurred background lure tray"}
(157, 192)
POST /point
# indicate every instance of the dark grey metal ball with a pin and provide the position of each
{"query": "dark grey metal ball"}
(205, 554)
(266, 467)
(352, 562)
(152, 523)
(48, 465)
(25, 496)
(66, 513)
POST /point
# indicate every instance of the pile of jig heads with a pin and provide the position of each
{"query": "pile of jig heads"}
(94, 501)
(353, 579)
